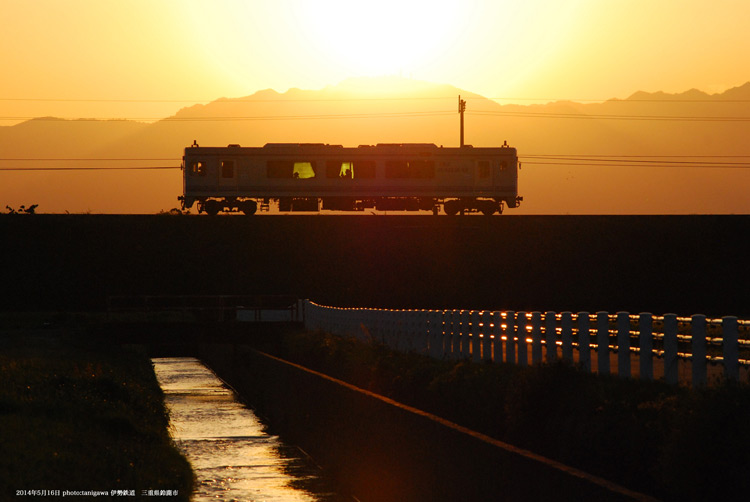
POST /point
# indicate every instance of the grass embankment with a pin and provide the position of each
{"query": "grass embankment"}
(83, 417)
(672, 442)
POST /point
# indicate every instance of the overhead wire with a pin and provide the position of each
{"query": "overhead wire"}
(585, 116)
(514, 114)
(577, 160)
(250, 99)
(240, 118)
(655, 161)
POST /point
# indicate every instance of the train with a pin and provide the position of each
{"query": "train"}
(289, 177)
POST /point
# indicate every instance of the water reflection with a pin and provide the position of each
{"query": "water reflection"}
(231, 454)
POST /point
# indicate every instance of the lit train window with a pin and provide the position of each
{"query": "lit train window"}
(227, 169)
(303, 170)
(197, 169)
(289, 169)
(484, 168)
(338, 169)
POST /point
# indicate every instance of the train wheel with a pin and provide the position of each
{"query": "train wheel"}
(212, 207)
(249, 207)
(489, 208)
(452, 207)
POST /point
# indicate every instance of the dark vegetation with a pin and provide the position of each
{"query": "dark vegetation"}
(77, 415)
(23, 209)
(672, 442)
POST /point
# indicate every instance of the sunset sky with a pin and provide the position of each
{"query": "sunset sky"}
(148, 58)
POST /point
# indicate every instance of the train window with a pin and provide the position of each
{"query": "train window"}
(279, 168)
(289, 169)
(338, 169)
(303, 170)
(418, 168)
(227, 169)
(422, 168)
(197, 169)
(483, 167)
(395, 168)
(364, 169)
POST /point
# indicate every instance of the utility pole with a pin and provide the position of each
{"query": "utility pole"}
(461, 110)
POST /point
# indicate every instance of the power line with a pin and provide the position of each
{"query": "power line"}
(242, 118)
(557, 160)
(596, 155)
(633, 160)
(583, 116)
(635, 163)
(29, 169)
(708, 99)
(86, 159)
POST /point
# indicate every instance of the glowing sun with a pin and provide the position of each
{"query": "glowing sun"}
(380, 38)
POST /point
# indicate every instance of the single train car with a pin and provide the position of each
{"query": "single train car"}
(315, 177)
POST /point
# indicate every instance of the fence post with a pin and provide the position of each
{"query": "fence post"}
(731, 349)
(523, 355)
(536, 337)
(465, 334)
(566, 325)
(698, 332)
(457, 334)
(623, 345)
(670, 349)
(496, 342)
(453, 342)
(486, 336)
(550, 332)
(476, 349)
(510, 333)
(584, 341)
(602, 339)
(646, 345)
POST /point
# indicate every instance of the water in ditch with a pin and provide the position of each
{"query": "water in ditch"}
(232, 455)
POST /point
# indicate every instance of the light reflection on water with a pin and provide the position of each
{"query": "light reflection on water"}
(231, 454)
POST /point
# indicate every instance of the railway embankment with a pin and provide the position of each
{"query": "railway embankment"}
(681, 264)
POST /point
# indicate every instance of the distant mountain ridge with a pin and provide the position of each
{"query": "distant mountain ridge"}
(395, 110)
(741, 92)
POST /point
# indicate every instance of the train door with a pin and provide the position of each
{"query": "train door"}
(227, 175)
(504, 175)
(483, 176)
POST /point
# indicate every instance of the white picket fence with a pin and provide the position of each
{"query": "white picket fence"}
(678, 349)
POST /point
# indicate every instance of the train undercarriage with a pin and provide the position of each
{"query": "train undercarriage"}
(450, 206)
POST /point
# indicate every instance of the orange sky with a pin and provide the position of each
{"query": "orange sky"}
(142, 58)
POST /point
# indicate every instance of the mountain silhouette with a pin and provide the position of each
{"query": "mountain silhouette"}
(693, 127)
